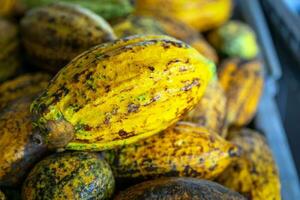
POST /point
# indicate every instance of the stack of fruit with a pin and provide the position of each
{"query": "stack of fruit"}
(137, 108)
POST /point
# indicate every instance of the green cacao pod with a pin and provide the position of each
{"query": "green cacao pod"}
(94, 102)
(9, 45)
(184, 150)
(24, 85)
(108, 9)
(55, 34)
(255, 173)
(235, 39)
(178, 189)
(17, 149)
(71, 175)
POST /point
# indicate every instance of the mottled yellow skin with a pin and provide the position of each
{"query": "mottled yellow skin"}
(243, 84)
(178, 189)
(200, 14)
(183, 150)
(24, 85)
(210, 112)
(189, 35)
(255, 173)
(56, 33)
(69, 175)
(121, 92)
(18, 151)
(166, 26)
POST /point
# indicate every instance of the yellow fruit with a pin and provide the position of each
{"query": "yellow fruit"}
(200, 14)
(166, 26)
(254, 174)
(210, 112)
(24, 85)
(56, 33)
(243, 85)
(184, 150)
(18, 151)
(121, 92)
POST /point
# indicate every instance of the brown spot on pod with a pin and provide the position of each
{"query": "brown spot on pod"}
(133, 108)
(191, 85)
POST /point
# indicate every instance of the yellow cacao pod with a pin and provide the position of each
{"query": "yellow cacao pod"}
(200, 14)
(24, 85)
(254, 174)
(185, 150)
(243, 85)
(120, 92)
(210, 112)
(166, 26)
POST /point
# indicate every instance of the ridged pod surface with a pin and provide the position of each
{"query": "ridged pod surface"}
(200, 14)
(108, 9)
(185, 150)
(18, 152)
(120, 92)
(178, 189)
(9, 45)
(55, 34)
(243, 84)
(167, 26)
(235, 39)
(211, 111)
(255, 173)
(70, 175)
(24, 85)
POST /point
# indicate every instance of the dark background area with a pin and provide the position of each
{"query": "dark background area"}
(288, 98)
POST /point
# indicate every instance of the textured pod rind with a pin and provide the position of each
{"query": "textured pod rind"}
(9, 45)
(108, 9)
(70, 175)
(21, 86)
(185, 150)
(255, 173)
(166, 26)
(178, 189)
(212, 13)
(55, 34)
(243, 83)
(211, 111)
(17, 149)
(115, 94)
(235, 39)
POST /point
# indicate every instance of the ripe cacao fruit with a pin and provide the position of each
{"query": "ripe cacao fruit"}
(166, 26)
(120, 92)
(254, 174)
(178, 189)
(17, 149)
(183, 150)
(55, 34)
(200, 14)
(211, 111)
(70, 175)
(243, 85)
(24, 85)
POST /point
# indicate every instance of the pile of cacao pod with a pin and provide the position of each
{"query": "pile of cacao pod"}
(114, 99)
